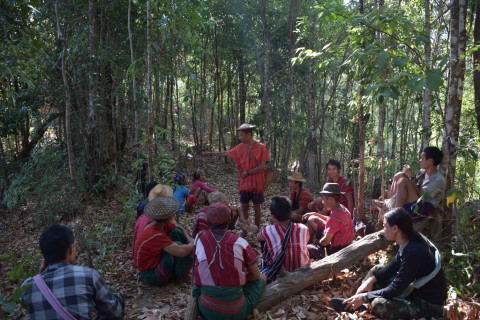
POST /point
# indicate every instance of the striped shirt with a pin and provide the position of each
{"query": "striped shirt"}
(341, 225)
(297, 252)
(223, 265)
(245, 160)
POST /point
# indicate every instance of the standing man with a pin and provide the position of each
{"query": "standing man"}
(299, 196)
(346, 198)
(250, 158)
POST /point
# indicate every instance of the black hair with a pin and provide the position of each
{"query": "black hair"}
(401, 218)
(197, 173)
(300, 184)
(433, 153)
(149, 188)
(334, 196)
(333, 162)
(54, 243)
(281, 208)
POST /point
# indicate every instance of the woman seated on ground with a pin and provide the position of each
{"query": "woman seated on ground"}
(388, 288)
(159, 190)
(199, 188)
(201, 222)
(181, 193)
(163, 250)
(228, 283)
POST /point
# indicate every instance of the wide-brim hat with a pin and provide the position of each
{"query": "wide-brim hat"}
(160, 190)
(217, 196)
(161, 208)
(331, 188)
(246, 126)
(218, 213)
(297, 176)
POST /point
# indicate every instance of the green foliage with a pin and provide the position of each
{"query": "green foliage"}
(46, 180)
(21, 268)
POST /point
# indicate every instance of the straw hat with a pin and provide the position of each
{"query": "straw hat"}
(331, 188)
(246, 126)
(161, 208)
(297, 176)
(217, 196)
(160, 190)
(218, 213)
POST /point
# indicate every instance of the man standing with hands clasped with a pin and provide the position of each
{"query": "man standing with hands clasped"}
(250, 158)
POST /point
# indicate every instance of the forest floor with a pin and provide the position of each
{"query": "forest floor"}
(109, 250)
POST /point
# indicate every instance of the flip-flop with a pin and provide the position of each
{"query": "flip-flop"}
(337, 304)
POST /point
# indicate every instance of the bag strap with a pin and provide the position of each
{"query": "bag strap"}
(272, 270)
(48, 294)
(423, 280)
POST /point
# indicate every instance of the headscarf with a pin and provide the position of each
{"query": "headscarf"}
(178, 178)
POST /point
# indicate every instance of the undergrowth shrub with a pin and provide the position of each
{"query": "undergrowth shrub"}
(45, 180)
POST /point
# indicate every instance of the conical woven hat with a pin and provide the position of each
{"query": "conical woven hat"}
(217, 196)
(161, 208)
(160, 190)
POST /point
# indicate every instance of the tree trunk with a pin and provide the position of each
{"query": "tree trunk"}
(427, 96)
(476, 64)
(242, 89)
(134, 86)
(68, 131)
(288, 105)
(266, 78)
(361, 145)
(90, 128)
(149, 91)
(458, 36)
(313, 176)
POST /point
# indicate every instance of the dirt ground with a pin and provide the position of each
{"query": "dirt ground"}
(110, 252)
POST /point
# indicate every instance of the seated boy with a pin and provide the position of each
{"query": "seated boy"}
(296, 255)
(334, 232)
(78, 289)
(201, 222)
(228, 283)
(162, 252)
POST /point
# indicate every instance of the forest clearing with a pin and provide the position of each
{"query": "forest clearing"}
(98, 98)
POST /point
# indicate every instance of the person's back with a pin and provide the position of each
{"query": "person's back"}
(79, 290)
(296, 255)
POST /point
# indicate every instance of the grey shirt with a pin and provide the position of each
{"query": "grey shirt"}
(436, 183)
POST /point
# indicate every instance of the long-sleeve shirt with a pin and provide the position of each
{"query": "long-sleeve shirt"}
(78, 289)
(202, 185)
(415, 262)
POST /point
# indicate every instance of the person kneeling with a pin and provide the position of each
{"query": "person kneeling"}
(64, 290)
(412, 284)
(228, 283)
(333, 232)
(162, 252)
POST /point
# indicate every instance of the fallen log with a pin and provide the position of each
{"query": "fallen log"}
(294, 282)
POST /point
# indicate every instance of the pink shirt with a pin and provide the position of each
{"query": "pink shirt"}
(202, 185)
(341, 225)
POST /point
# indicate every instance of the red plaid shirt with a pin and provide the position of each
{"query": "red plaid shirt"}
(245, 160)
(341, 225)
(344, 187)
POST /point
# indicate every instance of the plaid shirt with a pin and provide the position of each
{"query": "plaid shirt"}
(78, 289)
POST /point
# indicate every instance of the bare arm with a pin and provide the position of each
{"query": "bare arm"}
(179, 250)
(259, 237)
(260, 167)
(307, 215)
(215, 154)
(253, 273)
(327, 238)
(297, 215)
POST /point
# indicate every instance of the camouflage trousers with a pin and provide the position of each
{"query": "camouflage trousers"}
(402, 308)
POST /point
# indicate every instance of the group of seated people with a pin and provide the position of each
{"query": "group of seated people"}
(228, 278)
